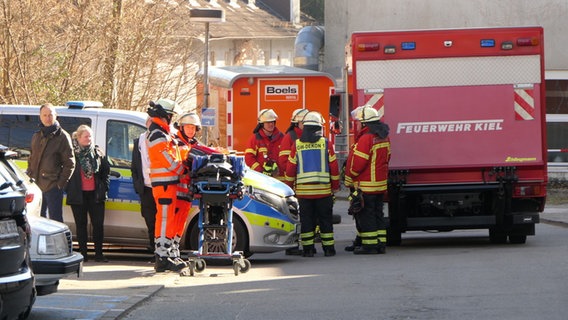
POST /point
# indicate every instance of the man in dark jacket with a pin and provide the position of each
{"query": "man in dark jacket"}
(51, 162)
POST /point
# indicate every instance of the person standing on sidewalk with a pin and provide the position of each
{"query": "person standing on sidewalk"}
(51, 162)
(165, 170)
(366, 173)
(313, 172)
(87, 191)
(140, 169)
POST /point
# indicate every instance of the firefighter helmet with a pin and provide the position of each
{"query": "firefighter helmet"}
(169, 106)
(313, 118)
(366, 114)
(267, 115)
(190, 118)
(298, 115)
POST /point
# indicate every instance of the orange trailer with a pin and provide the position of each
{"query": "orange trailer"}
(238, 93)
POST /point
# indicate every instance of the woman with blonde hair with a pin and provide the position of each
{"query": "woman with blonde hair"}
(87, 190)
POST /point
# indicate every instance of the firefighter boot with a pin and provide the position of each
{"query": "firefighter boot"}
(356, 243)
(328, 251)
(366, 250)
(308, 251)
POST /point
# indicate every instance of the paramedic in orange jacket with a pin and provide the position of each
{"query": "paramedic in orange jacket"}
(188, 125)
(313, 172)
(292, 133)
(367, 172)
(263, 146)
(165, 170)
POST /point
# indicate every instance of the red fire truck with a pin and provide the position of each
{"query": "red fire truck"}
(468, 134)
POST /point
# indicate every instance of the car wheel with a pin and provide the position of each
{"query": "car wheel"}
(240, 238)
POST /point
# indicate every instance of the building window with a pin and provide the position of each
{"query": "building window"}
(557, 96)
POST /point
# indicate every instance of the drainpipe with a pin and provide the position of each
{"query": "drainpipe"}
(309, 42)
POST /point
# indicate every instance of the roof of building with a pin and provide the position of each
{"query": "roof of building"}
(247, 20)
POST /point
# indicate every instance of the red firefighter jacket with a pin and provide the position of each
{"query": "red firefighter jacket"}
(367, 163)
(259, 146)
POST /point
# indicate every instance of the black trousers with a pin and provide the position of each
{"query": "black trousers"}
(315, 212)
(148, 210)
(96, 212)
(371, 218)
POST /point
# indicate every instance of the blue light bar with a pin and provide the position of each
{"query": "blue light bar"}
(408, 45)
(486, 43)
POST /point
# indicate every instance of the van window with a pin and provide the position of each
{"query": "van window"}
(120, 137)
(16, 131)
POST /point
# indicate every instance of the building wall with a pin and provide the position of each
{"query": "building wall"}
(342, 17)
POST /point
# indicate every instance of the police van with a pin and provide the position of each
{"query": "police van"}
(266, 220)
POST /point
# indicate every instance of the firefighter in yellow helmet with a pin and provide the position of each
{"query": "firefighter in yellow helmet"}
(262, 149)
(292, 133)
(165, 169)
(187, 127)
(366, 174)
(313, 172)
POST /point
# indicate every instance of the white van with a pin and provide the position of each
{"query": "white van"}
(557, 140)
(265, 221)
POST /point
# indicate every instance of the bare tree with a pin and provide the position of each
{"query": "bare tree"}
(124, 53)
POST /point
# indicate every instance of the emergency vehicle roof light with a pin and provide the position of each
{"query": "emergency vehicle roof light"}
(487, 43)
(361, 47)
(527, 42)
(83, 104)
(507, 45)
(390, 49)
(410, 45)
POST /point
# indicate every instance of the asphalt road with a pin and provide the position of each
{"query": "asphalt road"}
(456, 275)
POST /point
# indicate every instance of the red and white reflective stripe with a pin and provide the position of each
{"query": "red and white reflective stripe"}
(377, 102)
(524, 104)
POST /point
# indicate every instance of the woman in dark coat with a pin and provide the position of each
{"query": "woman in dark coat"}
(87, 190)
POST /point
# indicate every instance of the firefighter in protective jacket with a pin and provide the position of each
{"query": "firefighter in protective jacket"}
(366, 173)
(165, 170)
(313, 172)
(292, 134)
(262, 149)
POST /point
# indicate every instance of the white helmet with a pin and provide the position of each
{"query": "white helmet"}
(168, 105)
(365, 114)
(298, 115)
(267, 115)
(313, 118)
(190, 118)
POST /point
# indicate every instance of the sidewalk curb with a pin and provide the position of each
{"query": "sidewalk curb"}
(122, 309)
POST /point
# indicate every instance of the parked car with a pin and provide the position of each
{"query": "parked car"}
(266, 220)
(17, 291)
(51, 246)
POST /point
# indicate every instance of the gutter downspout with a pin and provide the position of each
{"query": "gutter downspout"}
(309, 42)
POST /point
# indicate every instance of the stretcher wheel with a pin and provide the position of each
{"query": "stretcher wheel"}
(246, 267)
(236, 267)
(200, 265)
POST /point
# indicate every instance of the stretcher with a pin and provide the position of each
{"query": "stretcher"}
(216, 181)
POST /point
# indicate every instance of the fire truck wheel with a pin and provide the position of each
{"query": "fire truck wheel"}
(518, 239)
(394, 237)
(497, 236)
